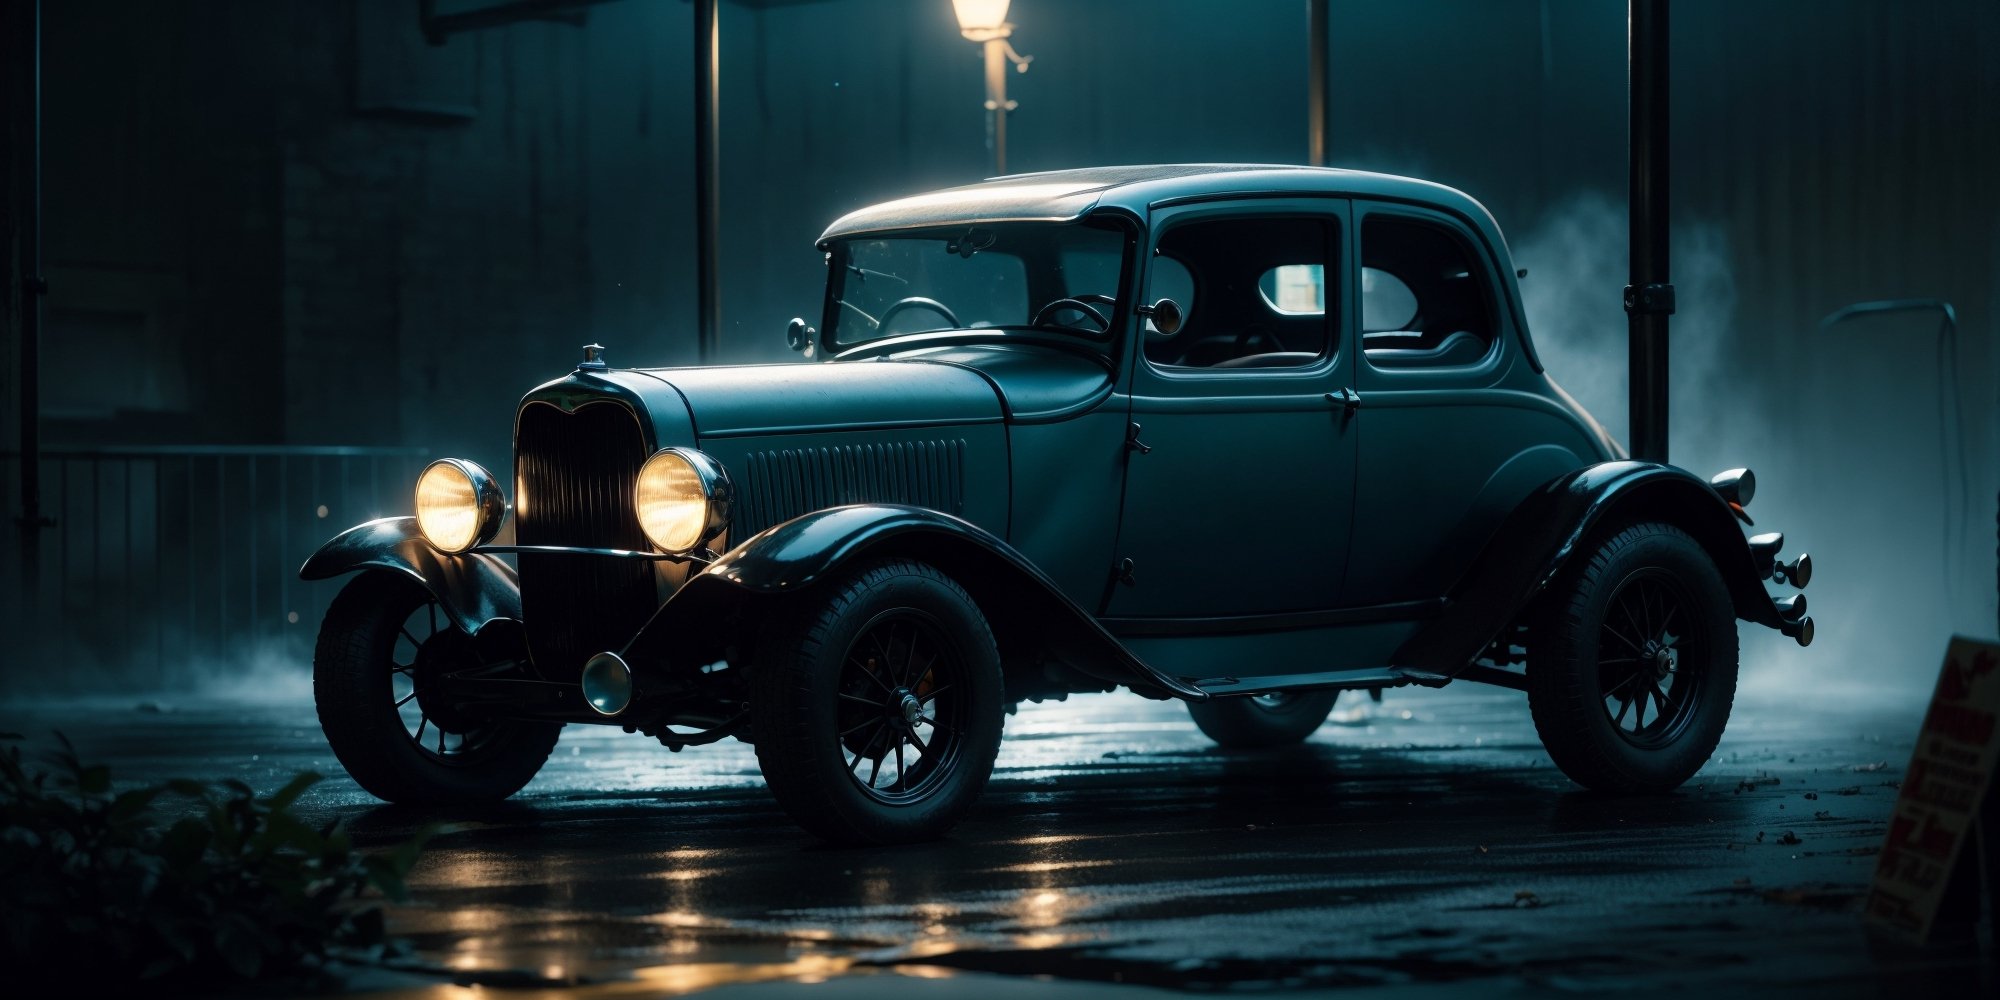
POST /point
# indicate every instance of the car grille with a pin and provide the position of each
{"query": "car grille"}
(575, 475)
(780, 485)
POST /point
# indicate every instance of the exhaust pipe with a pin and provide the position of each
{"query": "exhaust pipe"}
(607, 684)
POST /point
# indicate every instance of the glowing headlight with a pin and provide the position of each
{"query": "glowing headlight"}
(683, 499)
(458, 505)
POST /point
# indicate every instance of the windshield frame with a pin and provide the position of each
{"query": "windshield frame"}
(1108, 343)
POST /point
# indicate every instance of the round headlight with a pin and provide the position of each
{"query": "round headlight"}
(458, 505)
(683, 499)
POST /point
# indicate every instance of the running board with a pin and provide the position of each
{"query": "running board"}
(1230, 687)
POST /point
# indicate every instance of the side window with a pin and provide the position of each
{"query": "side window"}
(1425, 301)
(1252, 292)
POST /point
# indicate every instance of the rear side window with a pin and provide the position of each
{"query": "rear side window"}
(1425, 301)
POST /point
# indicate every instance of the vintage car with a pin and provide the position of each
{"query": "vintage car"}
(1244, 436)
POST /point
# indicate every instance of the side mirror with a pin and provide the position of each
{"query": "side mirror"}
(800, 337)
(1166, 316)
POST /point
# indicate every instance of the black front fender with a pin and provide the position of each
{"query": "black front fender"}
(473, 588)
(1029, 614)
(1552, 526)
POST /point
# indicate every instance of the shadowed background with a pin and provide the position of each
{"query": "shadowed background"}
(274, 227)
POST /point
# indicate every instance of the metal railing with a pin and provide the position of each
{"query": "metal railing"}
(165, 557)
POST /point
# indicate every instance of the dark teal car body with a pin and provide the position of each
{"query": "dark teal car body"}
(1254, 491)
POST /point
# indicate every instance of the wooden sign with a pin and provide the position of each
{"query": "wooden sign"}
(1930, 863)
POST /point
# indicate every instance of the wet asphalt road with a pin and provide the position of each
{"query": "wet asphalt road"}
(1423, 846)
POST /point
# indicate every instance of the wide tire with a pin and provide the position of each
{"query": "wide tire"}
(1632, 664)
(1266, 721)
(370, 654)
(876, 704)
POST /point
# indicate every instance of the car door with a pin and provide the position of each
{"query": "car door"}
(1455, 425)
(1239, 483)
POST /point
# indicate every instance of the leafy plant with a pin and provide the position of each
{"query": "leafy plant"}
(104, 883)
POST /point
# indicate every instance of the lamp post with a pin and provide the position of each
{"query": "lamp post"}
(985, 22)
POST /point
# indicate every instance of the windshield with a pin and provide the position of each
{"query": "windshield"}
(1048, 276)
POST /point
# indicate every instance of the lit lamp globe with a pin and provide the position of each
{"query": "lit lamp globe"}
(982, 20)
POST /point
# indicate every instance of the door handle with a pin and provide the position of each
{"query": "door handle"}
(1348, 399)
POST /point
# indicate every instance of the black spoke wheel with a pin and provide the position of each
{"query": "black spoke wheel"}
(376, 682)
(876, 704)
(902, 707)
(1632, 666)
(1265, 720)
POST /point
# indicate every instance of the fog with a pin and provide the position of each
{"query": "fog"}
(1848, 465)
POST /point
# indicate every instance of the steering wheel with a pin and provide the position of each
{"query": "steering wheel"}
(916, 302)
(1080, 304)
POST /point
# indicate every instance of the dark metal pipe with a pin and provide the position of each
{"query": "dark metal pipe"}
(33, 288)
(1649, 298)
(707, 171)
(1318, 114)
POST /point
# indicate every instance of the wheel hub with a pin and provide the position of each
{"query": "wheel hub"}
(910, 708)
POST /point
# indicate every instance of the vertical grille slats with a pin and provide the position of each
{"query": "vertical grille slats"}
(781, 484)
(578, 470)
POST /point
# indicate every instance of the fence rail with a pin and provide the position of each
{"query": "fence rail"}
(161, 557)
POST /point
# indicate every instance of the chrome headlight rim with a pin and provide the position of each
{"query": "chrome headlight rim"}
(718, 495)
(488, 505)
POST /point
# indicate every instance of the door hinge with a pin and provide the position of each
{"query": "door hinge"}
(1132, 442)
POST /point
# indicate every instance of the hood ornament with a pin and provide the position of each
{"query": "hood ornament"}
(593, 358)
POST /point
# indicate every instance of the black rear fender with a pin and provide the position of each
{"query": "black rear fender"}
(1558, 522)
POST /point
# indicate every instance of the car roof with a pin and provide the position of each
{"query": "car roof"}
(1068, 195)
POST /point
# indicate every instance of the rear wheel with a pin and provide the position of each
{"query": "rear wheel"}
(1265, 720)
(381, 650)
(1632, 669)
(876, 704)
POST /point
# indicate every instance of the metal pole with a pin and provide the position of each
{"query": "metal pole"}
(1649, 299)
(33, 287)
(1318, 114)
(707, 168)
(996, 102)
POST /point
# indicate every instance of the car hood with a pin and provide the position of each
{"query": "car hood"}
(737, 400)
(1035, 382)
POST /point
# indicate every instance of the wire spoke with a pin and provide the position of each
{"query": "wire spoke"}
(870, 702)
(406, 699)
(870, 671)
(918, 742)
(859, 726)
(902, 773)
(422, 721)
(1624, 705)
(1621, 638)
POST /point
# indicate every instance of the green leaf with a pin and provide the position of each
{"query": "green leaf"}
(238, 949)
(93, 780)
(283, 798)
(384, 874)
(191, 789)
(131, 805)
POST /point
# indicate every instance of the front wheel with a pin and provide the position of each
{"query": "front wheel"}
(1264, 720)
(381, 651)
(876, 704)
(1632, 667)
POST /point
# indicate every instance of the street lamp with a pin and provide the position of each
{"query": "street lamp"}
(985, 22)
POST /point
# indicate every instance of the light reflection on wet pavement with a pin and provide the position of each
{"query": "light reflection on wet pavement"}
(1424, 845)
